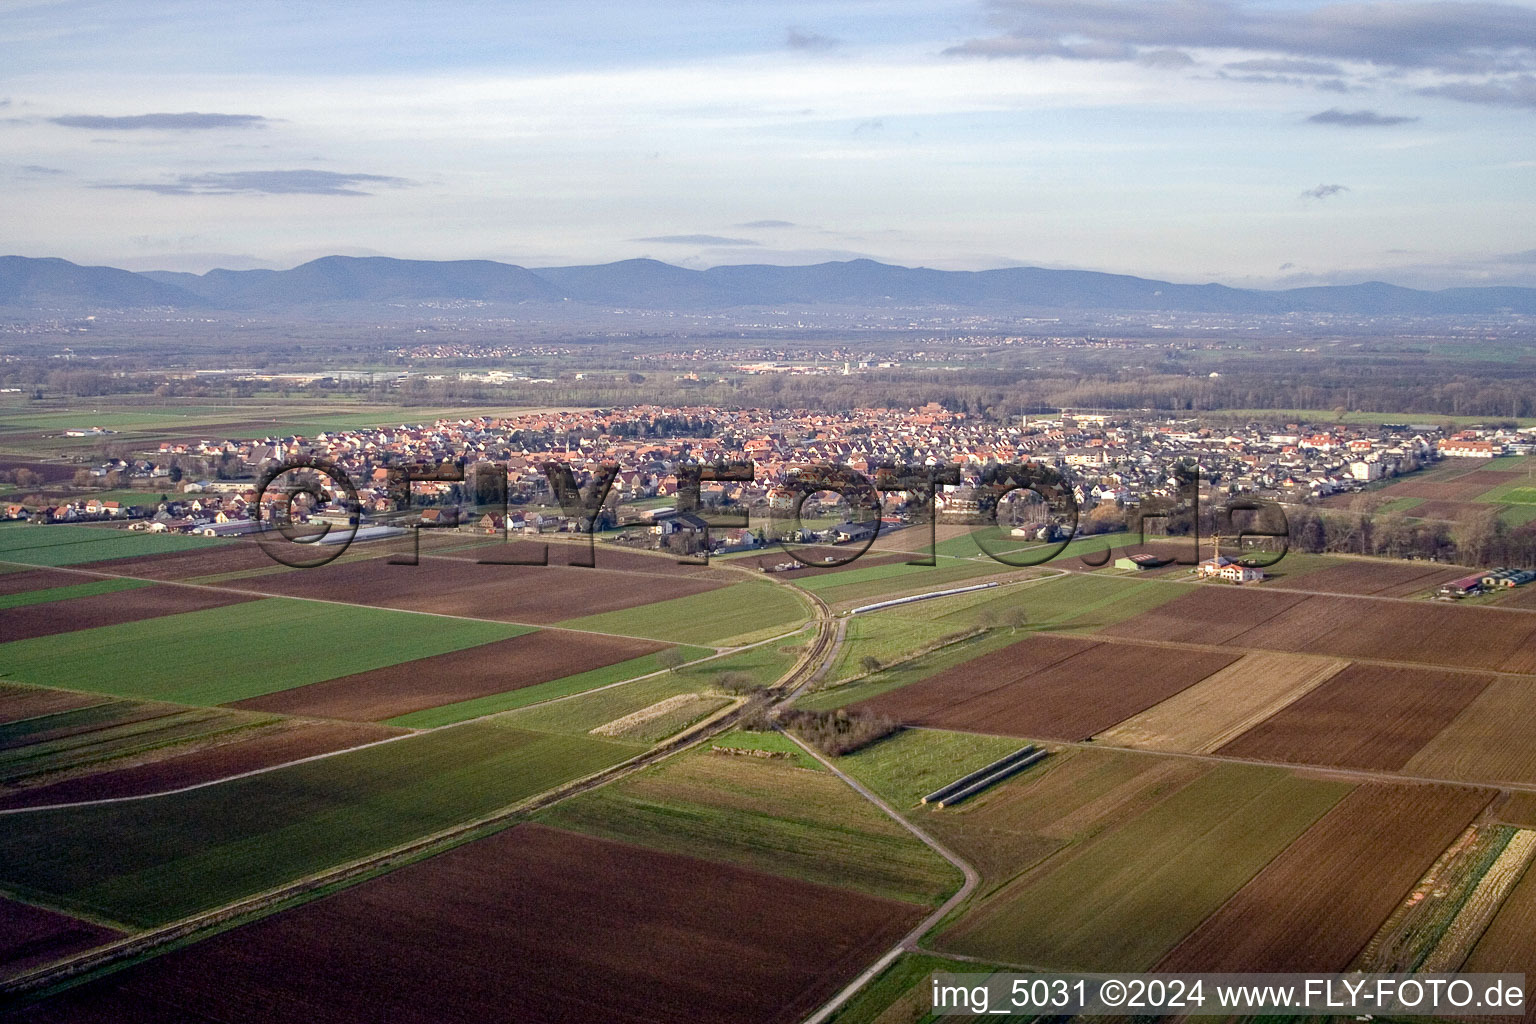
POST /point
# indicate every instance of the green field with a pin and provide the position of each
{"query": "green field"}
(146, 862)
(736, 614)
(914, 762)
(61, 544)
(220, 655)
(584, 712)
(777, 742)
(768, 814)
(1125, 897)
(1514, 496)
(1070, 796)
(50, 594)
(565, 687)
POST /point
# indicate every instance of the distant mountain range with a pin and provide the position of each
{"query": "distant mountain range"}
(649, 284)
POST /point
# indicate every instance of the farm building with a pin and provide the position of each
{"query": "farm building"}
(1213, 566)
(1463, 587)
(1507, 578)
(851, 532)
(1234, 573)
(1139, 562)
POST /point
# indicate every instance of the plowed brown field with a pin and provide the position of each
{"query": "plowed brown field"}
(1386, 579)
(1488, 478)
(532, 924)
(536, 594)
(18, 702)
(1314, 907)
(453, 677)
(1367, 716)
(236, 556)
(1416, 632)
(1493, 740)
(31, 936)
(38, 579)
(1222, 706)
(108, 610)
(776, 555)
(606, 557)
(1049, 687)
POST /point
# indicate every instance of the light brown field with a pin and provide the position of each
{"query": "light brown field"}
(1366, 716)
(1483, 903)
(916, 538)
(1222, 706)
(1492, 740)
(1317, 905)
(1509, 943)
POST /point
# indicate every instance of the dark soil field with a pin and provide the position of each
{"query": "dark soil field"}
(1367, 716)
(449, 678)
(1314, 907)
(51, 472)
(38, 579)
(776, 555)
(1042, 688)
(31, 936)
(1416, 632)
(532, 924)
(1386, 579)
(19, 702)
(236, 556)
(509, 593)
(261, 749)
(55, 617)
(1209, 615)
(1489, 478)
(1453, 511)
(604, 556)
(1457, 490)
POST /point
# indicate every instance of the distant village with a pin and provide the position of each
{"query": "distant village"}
(1115, 461)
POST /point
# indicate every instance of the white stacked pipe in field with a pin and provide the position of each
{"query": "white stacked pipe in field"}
(993, 779)
(978, 774)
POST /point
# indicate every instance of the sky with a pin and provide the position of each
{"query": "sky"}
(1263, 144)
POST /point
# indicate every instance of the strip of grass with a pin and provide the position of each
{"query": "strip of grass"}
(767, 814)
(220, 655)
(777, 742)
(50, 594)
(1401, 504)
(716, 617)
(147, 862)
(51, 545)
(513, 699)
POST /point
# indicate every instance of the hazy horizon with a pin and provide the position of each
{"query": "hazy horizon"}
(1252, 144)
